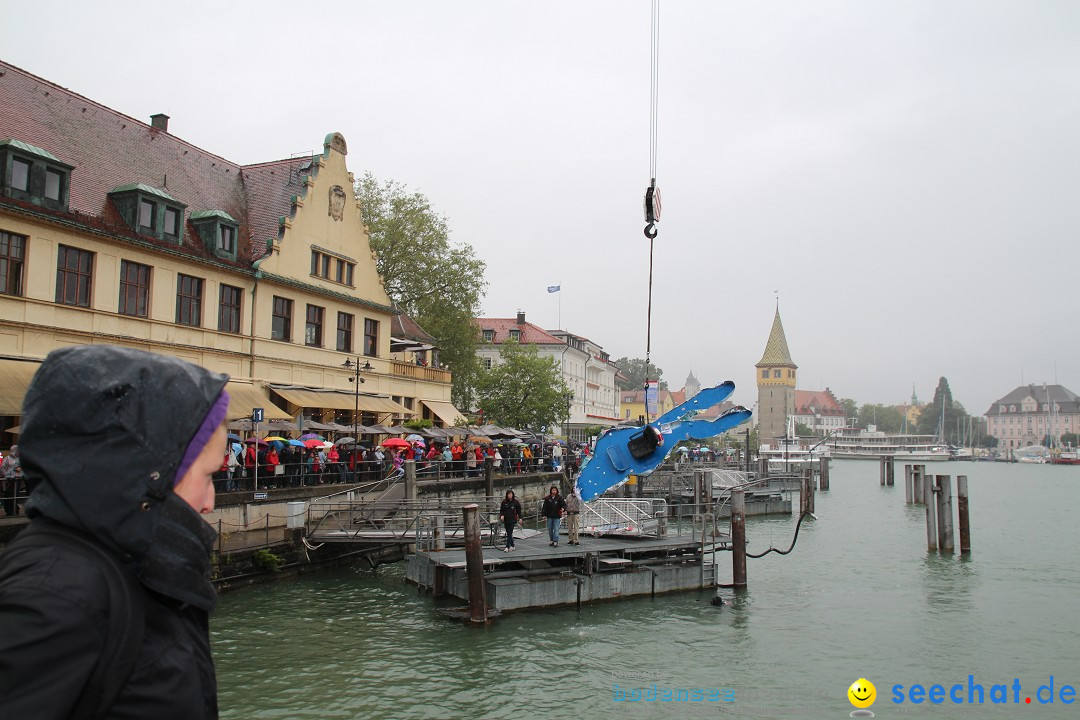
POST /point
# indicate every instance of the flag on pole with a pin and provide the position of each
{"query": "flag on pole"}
(554, 288)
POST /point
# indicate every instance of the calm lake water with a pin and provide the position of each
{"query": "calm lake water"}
(859, 597)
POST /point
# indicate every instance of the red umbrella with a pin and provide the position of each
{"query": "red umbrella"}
(313, 443)
(395, 442)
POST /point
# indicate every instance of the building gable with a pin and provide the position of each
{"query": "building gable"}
(323, 240)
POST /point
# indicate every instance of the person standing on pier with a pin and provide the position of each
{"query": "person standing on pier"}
(105, 595)
(554, 508)
(573, 517)
(510, 515)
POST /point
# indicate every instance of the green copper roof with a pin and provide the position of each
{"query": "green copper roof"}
(776, 350)
(212, 214)
(146, 189)
(33, 150)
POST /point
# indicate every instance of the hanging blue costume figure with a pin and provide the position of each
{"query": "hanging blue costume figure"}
(638, 451)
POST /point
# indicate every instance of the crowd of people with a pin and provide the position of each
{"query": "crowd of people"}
(257, 464)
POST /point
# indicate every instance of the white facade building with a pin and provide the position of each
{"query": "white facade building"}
(586, 368)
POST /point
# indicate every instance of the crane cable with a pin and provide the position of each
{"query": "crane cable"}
(652, 195)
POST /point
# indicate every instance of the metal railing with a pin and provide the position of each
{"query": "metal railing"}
(621, 516)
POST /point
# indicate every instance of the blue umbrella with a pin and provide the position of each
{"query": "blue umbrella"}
(297, 443)
(234, 437)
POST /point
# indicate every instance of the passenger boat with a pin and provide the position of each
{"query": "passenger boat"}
(871, 444)
(792, 453)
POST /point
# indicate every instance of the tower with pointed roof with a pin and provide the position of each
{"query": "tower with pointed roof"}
(692, 387)
(776, 383)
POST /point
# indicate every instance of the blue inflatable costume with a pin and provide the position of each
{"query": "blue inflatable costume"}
(622, 452)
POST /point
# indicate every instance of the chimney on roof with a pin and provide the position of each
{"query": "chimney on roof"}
(160, 122)
(521, 317)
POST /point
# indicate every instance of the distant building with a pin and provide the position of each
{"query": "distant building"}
(586, 368)
(1029, 413)
(819, 410)
(632, 403)
(776, 384)
(692, 386)
(911, 411)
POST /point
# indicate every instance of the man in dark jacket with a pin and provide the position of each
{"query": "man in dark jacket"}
(553, 509)
(122, 445)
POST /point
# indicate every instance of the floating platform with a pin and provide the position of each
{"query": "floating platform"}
(537, 575)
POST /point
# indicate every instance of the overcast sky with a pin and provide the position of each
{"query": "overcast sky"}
(905, 174)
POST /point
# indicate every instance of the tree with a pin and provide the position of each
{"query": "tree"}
(1070, 439)
(523, 390)
(803, 430)
(943, 417)
(886, 417)
(438, 283)
(634, 370)
(851, 409)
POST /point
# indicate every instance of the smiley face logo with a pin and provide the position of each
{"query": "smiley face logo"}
(862, 693)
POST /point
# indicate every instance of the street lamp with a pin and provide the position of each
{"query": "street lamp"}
(356, 367)
(566, 429)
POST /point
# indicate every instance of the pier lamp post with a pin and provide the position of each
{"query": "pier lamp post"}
(356, 367)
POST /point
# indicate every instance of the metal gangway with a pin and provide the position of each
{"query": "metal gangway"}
(625, 516)
(384, 515)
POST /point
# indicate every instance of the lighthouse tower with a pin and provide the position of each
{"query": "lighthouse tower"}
(776, 384)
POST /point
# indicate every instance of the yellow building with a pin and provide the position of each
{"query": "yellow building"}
(632, 403)
(116, 231)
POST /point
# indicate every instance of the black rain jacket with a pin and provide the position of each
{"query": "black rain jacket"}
(104, 430)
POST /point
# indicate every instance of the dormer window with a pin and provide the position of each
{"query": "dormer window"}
(20, 174)
(218, 231)
(515, 335)
(147, 211)
(29, 173)
(150, 211)
(489, 336)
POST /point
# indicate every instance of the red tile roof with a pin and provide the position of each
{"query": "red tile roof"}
(109, 149)
(530, 334)
(403, 326)
(823, 402)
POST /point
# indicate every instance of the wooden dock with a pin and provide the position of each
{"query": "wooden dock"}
(600, 568)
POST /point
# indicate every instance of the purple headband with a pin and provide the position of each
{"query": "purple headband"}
(210, 423)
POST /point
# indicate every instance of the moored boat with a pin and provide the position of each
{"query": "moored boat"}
(871, 444)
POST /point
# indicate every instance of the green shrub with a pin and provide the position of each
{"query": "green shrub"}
(266, 561)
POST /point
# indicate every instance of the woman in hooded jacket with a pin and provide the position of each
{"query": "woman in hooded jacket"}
(122, 445)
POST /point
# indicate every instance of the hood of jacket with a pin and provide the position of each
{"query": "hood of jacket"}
(104, 430)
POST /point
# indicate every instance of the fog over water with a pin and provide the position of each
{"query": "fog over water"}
(905, 174)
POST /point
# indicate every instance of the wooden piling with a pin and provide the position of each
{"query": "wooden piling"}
(738, 538)
(824, 473)
(931, 512)
(944, 514)
(908, 488)
(881, 471)
(917, 474)
(410, 480)
(489, 476)
(474, 564)
(804, 500)
(962, 506)
(808, 483)
(440, 533)
(890, 470)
